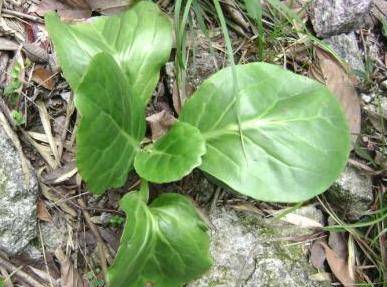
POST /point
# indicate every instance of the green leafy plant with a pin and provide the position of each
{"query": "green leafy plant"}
(14, 87)
(164, 243)
(18, 117)
(116, 220)
(260, 130)
(93, 280)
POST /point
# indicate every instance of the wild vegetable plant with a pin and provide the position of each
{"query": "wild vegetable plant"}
(256, 128)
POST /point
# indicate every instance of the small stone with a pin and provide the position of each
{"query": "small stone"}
(334, 17)
(33, 252)
(351, 195)
(366, 98)
(106, 217)
(346, 46)
(66, 96)
(18, 193)
(384, 84)
(247, 251)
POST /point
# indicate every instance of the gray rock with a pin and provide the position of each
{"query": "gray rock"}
(18, 193)
(351, 194)
(346, 46)
(334, 17)
(33, 252)
(249, 252)
(367, 98)
(54, 234)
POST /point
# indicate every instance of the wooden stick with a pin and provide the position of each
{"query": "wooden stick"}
(21, 274)
(22, 15)
(100, 244)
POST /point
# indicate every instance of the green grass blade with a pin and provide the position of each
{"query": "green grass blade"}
(254, 10)
(230, 55)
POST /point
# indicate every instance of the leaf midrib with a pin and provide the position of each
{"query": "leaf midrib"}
(252, 124)
(131, 140)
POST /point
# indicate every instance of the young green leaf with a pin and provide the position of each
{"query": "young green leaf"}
(173, 156)
(165, 244)
(140, 40)
(295, 134)
(112, 125)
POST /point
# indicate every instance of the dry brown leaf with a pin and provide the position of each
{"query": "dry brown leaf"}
(79, 4)
(36, 53)
(65, 11)
(338, 244)
(339, 266)
(8, 45)
(49, 194)
(69, 276)
(79, 9)
(42, 212)
(235, 14)
(317, 255)
(247, 207)
(315, 73)
(45, 119)
(176, 100)
(61, 174)
(4, 60)
(74, 14)
(160, 123)
(44, 78)
(301, 220)
(341, 85)
(109, 7)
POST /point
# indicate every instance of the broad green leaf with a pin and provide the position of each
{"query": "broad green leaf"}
(140, 40)
(112, 125)
(173, 156)
(165, 244)
(296, 139)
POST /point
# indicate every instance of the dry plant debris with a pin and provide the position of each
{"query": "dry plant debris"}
(43, 97)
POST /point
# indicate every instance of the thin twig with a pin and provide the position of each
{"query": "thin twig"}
(44, 255)
(22, 15)
(21, 274)
(69, 112)
(100, 244)
(6, 276)
(7, 113)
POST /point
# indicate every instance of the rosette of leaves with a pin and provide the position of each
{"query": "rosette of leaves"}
(113, 64)
(256, 128)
